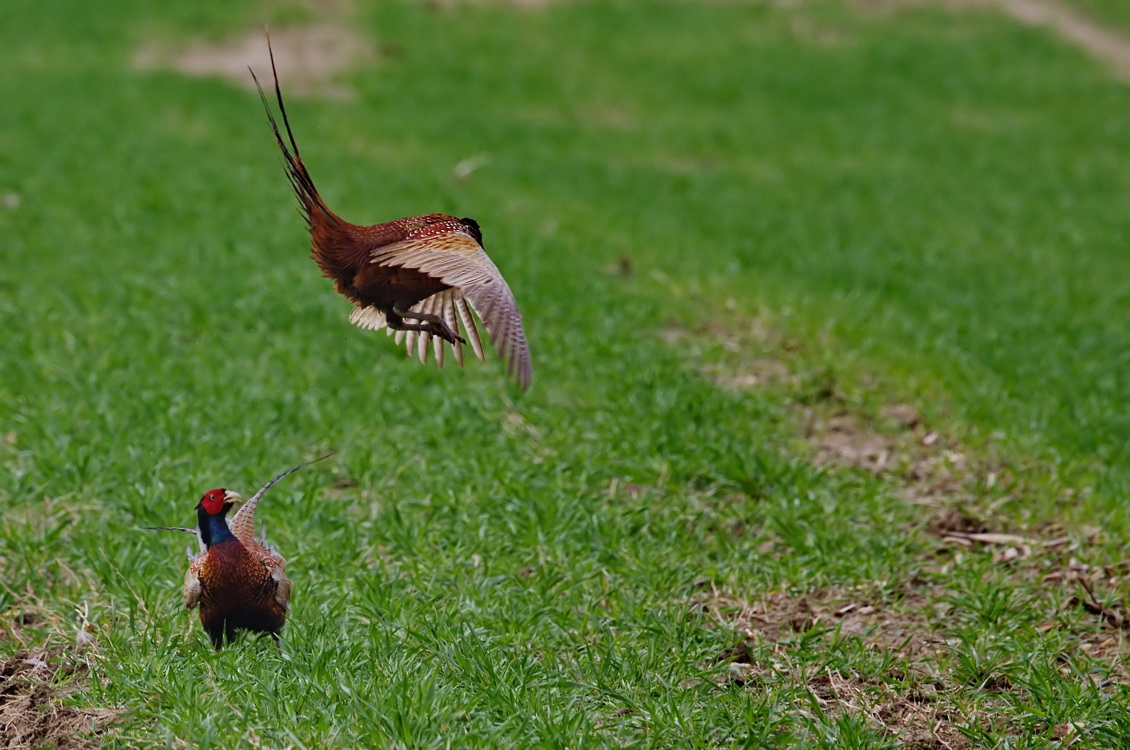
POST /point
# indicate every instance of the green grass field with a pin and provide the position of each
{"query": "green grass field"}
(745, 237)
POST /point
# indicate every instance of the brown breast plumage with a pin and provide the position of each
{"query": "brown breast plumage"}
(239, 590)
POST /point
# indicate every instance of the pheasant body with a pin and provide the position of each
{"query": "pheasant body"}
(368, 284)
(237, 582)
(419, 277)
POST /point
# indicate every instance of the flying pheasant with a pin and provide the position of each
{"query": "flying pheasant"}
(420, 276)
(237, 581)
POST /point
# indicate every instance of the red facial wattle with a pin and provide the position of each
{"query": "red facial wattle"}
(213, 502)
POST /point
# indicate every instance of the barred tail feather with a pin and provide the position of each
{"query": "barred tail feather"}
(313, 208)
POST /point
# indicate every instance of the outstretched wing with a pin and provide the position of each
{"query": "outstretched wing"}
(242, 525)
(458, 260)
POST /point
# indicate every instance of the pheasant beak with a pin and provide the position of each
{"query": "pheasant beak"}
(230, 498)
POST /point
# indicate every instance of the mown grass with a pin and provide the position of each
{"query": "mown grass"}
(925, 205)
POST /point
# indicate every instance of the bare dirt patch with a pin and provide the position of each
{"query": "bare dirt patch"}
(923, 696)
(1105, 44)
(36, 680)
(307, 57)
(902, 449)
(917, 720)
(313, 54)
(33, 686)
(894, 443)
(778, 616)
(908, 704)
(765, 369)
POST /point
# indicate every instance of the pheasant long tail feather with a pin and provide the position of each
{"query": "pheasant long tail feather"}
(313, 207)
(242, 525)
(194, 532)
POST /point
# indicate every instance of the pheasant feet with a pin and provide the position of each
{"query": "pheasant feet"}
(427, 322)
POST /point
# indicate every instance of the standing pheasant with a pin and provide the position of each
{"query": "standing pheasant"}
(420, 276)
(238, 582)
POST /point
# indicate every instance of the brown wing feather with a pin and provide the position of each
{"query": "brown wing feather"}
(276, 566)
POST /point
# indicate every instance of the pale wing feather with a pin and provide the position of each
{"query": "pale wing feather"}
(423, 337)
(449, 316)
(435, 307)
(495, 307)
(458, 261)
(372, 319)
(449, 305)
(446, 305)
(192, 588)
(469, 326)
(439, 304)
(282, 593)
(409, 341)
(367, 317)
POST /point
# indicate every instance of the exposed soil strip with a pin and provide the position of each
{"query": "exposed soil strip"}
(1104, 43)
(308, 57)
(32, 712)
